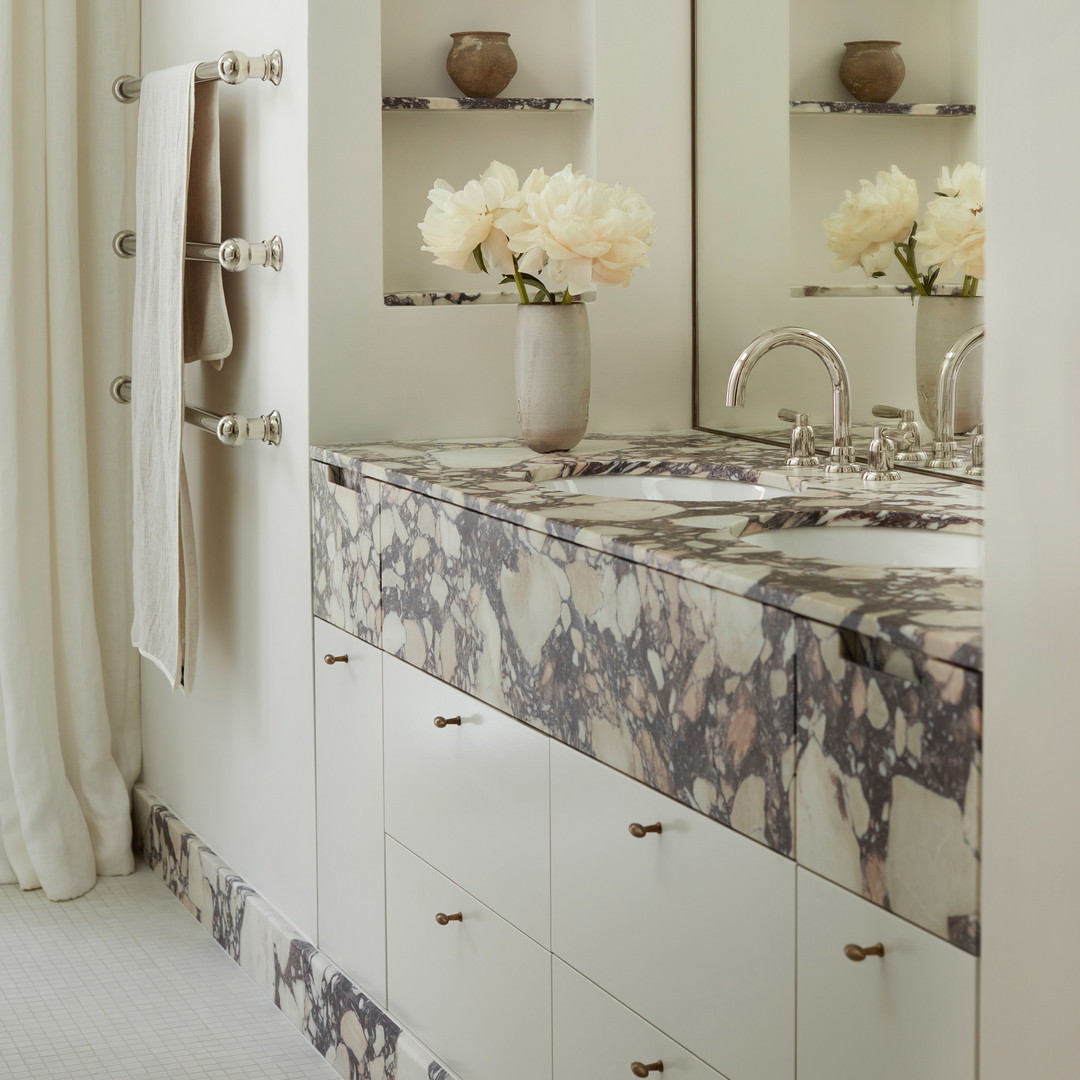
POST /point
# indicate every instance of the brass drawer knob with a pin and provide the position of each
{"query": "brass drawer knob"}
(860, 952)
(442, 919)
(447, 721)
(640, 831)
(330, 658)
(638, 1069)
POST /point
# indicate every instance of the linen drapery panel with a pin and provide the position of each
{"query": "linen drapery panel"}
(69, 726)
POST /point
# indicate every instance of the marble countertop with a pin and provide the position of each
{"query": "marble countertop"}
(935, 611)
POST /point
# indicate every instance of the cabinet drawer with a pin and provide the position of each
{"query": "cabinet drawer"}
(909, 1013)
(693, 928)
(345, 551)
(472, 798)
(597, 1038)
(477, 991)
(349, 801)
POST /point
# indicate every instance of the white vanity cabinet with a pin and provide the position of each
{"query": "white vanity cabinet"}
(467, 790)
(910, 1012)
(692, 926)
(349, 804)
(595, 1037)
(470, 985)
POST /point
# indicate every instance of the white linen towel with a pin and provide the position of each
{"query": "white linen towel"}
(179, 316)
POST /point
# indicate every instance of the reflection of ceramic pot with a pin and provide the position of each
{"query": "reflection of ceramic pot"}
(872, 70)
(551, 374)
(481, 62)
(939, 322)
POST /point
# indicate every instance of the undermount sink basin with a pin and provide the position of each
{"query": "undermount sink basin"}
(874, 545)
(663, 488)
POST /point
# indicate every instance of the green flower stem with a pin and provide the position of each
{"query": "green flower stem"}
(903, 256)
(566, 297)
(519, 282)
(970, 287)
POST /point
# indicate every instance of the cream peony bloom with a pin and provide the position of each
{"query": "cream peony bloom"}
(870, 221)
(583, 231)
(457, 222)
(953, 232)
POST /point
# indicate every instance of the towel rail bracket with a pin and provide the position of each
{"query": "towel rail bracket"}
(233, 67)
(234, 254)
(230, 429)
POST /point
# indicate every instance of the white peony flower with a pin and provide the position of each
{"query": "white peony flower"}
(953, 232)
(457, 222)
(583, 231)
(870, 221)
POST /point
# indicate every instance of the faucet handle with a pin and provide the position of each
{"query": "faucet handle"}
(879, 457)
(913, 451)
(976, 466)
(802, 440)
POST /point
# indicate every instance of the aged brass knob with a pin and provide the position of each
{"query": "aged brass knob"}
(859, 952)
(638, 1069)
(329, 658)
(442, 919)
(446, 721)
(639, 831)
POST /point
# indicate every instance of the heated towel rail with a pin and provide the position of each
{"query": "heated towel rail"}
(232, 67)
(231, 429)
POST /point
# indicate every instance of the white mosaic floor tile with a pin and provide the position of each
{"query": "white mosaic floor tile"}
(122, 984)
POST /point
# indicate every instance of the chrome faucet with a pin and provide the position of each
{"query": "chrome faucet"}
(945, 446)
(842, 454)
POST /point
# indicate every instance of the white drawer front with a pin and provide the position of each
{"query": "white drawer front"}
(349, 797)
(693, 928)
(472, 798)
(597, 1038)
(909, 1013)
(476, 991)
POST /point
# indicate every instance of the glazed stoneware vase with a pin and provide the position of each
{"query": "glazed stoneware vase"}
(872, 70)
(939, 322)
(552, 360)
(481, 62)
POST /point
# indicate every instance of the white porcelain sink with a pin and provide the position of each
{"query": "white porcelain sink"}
(874, 546)
(663, 488)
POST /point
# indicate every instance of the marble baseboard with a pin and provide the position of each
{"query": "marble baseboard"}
(686, 688)
(889, 777)
(351, 1031)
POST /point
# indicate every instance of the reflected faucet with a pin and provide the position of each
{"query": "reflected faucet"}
(842, 454)
(945, 446)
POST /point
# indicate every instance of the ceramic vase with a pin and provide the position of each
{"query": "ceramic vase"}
(939, 322)
(552, 360)
(481, 62)
(872, 70)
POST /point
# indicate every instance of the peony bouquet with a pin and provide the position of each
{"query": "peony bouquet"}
(572, 230)
(878, 222)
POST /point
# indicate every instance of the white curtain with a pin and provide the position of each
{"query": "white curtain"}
(69, 726)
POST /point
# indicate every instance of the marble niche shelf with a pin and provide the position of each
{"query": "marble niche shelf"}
(870, 289)
(447, 104)
(874, 108)
(461, 299)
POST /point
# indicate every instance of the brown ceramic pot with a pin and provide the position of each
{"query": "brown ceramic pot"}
(481, 62)
(872, 70)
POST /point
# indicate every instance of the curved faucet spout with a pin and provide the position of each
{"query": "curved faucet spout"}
(842, 453)
(945, 447)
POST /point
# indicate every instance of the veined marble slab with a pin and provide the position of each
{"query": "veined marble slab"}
(934, 611)
(350, 1030)
(467, 104)
(879, 108)
(687, 688)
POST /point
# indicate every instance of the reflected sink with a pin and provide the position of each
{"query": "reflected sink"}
(663, 488)
(874, 545)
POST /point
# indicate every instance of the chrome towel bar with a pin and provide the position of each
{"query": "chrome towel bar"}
(230, 429)
(234, 254)
(233, 67)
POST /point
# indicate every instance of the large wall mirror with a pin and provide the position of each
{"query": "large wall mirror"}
(768, 172)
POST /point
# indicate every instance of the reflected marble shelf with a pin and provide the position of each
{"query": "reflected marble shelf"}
(870, 289)
(874, 108)
(460, 299)
(446, 104)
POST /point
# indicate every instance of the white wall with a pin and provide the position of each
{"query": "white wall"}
(236, 757)
(1030, 988)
